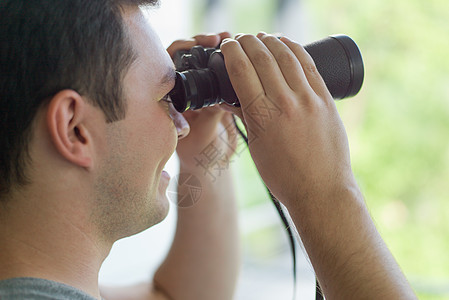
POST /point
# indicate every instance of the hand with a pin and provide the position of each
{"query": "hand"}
(297, 140)
(300, 148)
(209, 127)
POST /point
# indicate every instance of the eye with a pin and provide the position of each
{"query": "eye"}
(166, 98)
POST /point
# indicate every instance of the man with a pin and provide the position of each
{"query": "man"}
(86, 132)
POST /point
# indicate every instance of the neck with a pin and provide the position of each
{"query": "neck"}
(45, 239)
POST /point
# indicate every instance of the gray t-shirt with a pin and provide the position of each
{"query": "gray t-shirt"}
(39, 289)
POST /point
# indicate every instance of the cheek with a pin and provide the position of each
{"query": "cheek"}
(162, 134)
(151, 134)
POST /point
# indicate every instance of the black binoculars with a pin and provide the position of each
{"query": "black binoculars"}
(202, 79)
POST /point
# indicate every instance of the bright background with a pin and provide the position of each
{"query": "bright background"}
(398, 128)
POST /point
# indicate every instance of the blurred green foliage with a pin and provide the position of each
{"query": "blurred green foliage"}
(398, 125)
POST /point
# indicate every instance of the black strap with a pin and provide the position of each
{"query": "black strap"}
(291, 236)
(318, 293)
(288, 227)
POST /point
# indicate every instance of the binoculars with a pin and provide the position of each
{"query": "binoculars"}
(202, 79)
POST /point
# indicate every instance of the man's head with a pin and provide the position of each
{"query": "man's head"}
(48, 46)
(80, 84)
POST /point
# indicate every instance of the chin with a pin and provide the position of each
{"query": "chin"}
(163, 208)
(147, 218)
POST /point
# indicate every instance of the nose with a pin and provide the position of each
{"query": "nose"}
(181, 124)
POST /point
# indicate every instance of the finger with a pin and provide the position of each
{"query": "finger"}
(206, 114)
(203, 114)
(208, 40)
(205, 40)
(227, 119)
(288, 63)
(265, 64)
(181, 45)
(234, 110)
(308, 65)
(203, 123)
(224, 35)
(241, 72)
(190, 115)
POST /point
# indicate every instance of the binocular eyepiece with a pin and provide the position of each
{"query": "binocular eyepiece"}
(202, 79)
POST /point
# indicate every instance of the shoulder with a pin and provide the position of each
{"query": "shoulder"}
(141, 291)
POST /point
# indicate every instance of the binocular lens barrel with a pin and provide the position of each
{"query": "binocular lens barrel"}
(340, 63)
(202, 79)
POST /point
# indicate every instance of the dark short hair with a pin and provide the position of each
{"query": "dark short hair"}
(50, 45)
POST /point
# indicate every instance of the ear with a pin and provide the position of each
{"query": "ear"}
(66, 117)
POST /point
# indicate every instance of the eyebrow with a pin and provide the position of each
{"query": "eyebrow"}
(169, 77)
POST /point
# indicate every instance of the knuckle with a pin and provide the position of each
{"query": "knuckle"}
(287, 58)
(245, 38)
(262, 57)
(284, 101)
(312, 104)
(227, 45)
(238, 67)
(269, 38)
(311, 69)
